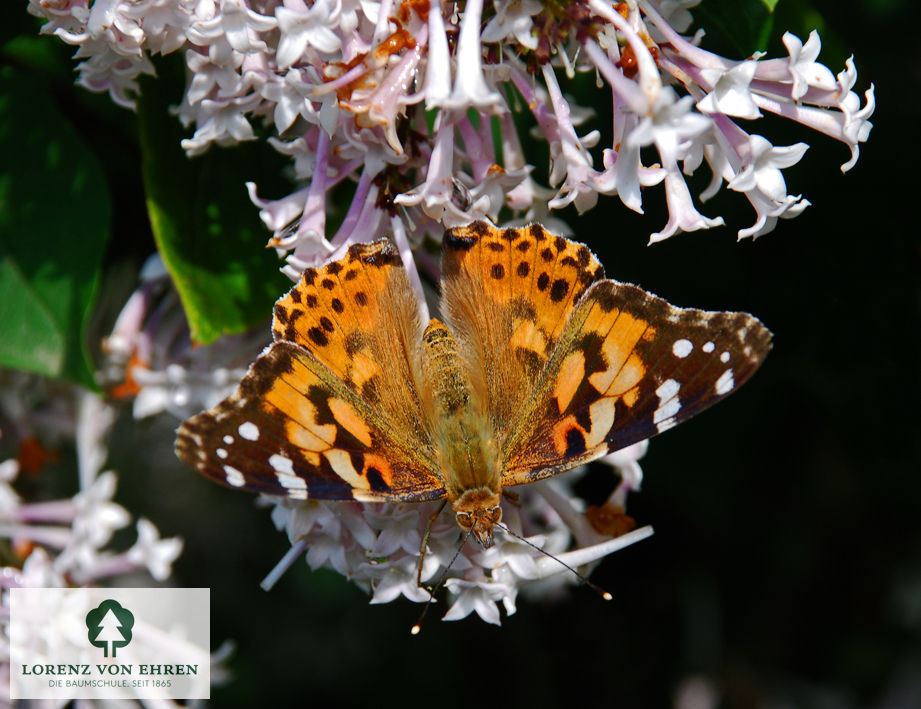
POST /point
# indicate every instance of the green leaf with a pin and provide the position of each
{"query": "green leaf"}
(54, 227)
(745, 25)
(207, 230)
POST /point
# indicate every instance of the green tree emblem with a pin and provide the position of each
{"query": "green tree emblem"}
(109, 626)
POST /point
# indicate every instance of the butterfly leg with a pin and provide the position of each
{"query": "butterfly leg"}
(425, 540)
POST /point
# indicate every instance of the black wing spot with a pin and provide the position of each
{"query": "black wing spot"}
(559, 290)
(524, 268)
(543, 280)
(318, 337)
(606, 299)
(376, 480)
(497, 271)
(575, 442)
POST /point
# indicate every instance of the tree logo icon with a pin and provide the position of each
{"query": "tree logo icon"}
(109, 626)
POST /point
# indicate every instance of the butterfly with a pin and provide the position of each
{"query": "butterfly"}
(540, 364)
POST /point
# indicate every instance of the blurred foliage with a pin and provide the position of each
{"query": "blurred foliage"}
(206, 229)
(54, 226)
(786, 565)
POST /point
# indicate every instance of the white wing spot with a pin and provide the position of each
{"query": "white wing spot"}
(221, 453)
(724, 357)
(725, 383)
(281, 464)
(295, 486)
(682, 348)
(234, 476)
(228, 439)
(665, 425)
(708, 347)
(669, 404)
(249, 431)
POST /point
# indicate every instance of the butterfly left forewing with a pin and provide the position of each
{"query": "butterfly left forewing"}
(627, 365)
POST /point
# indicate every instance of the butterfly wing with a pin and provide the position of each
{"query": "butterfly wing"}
(627, 366)
(507, 295)
(331, 410)
(360, 318)
(295, 429)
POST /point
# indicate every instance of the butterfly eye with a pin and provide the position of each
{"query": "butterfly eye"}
(494, 514)
(465, 520)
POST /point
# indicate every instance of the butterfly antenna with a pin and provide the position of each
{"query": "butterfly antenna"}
(595, 587)
(437, 587)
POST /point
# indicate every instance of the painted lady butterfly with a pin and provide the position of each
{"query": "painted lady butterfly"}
(541, 365)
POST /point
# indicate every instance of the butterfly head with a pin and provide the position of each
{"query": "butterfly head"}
(478, 511)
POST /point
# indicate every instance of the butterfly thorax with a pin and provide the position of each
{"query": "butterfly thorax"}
(466, 450)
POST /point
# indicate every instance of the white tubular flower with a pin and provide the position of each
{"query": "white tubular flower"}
(730, 93)
(236, 23)
(471, 88)
(806, 71)
(513, 20)
(762, 170)
(302, 28)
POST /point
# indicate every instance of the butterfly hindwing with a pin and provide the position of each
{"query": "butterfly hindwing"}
(628, 365)
(294, 429)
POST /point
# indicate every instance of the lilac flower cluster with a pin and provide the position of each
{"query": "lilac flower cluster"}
(65, 543)
(415, 103)
(377, 546)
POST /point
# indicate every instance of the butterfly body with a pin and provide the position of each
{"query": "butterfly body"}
(464, 443)
(541, 365)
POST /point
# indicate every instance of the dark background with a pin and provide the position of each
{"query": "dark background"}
(786, 564)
